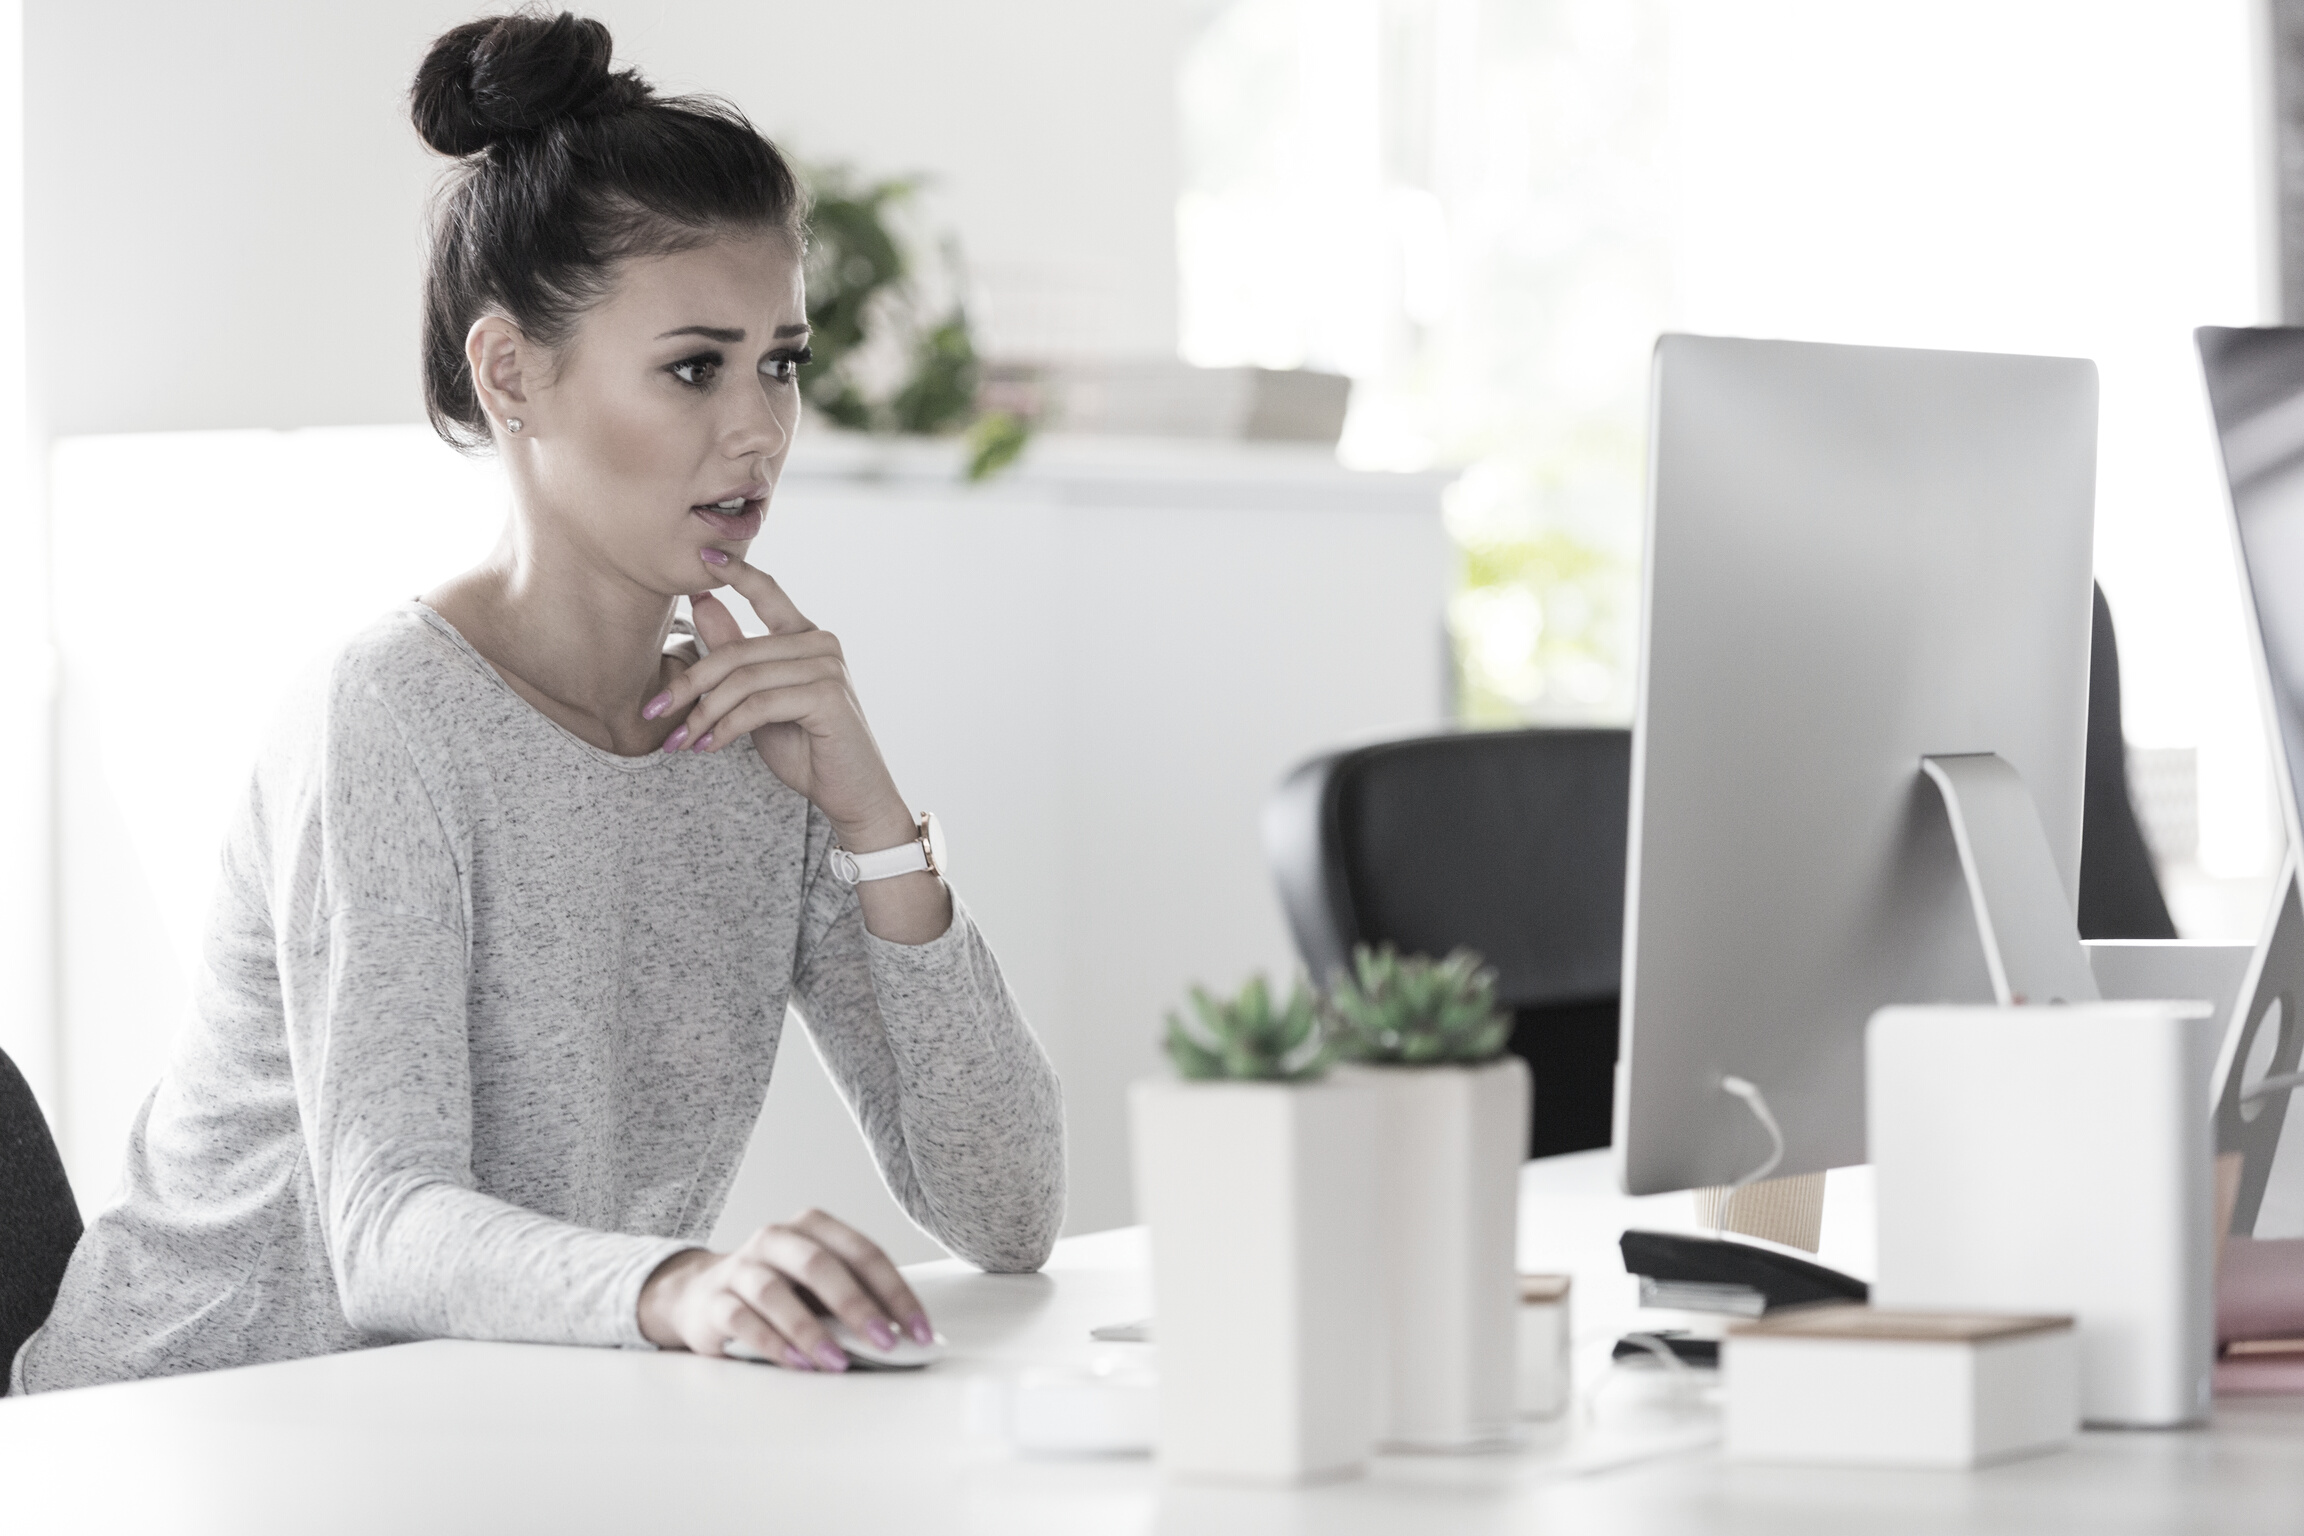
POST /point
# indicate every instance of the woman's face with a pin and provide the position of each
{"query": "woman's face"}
(661, 427)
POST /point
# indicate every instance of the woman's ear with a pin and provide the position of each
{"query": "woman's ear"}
(500, 359)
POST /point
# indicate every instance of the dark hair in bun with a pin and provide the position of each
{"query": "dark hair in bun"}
(568, 169)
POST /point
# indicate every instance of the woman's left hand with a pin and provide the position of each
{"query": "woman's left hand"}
(790, 689)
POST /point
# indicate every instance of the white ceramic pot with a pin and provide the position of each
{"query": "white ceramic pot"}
(1453, 1141)
(1261, 1199)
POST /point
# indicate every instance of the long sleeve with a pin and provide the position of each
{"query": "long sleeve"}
(373, 972)
(383, 1084)
(960, 1105)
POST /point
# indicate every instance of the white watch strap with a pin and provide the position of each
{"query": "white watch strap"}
(903, 859)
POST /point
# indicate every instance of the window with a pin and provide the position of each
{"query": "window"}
(1484, 210)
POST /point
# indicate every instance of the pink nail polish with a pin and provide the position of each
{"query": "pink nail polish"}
(830, 1357)
(656, 706)
(712, 556)
(919, 1329)
(703, 743)
(881, 1333)
(672, 742)
(797, 1360)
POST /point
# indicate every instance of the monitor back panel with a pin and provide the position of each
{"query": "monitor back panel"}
(2255, 380)
(1856, 557)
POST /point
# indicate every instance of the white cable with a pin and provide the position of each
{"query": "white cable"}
(1757, 1102)
(1678, 1371)
(1655, 1345)
(2272, 1085)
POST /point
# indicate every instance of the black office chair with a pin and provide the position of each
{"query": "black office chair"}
(1512, 842)
(2119, 893)
(39, 1220)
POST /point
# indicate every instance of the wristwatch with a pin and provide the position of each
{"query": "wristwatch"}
(926, 852)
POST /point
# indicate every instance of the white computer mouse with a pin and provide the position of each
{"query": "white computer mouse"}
(905, 1354)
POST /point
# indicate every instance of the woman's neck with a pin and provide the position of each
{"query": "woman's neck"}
(580, 642)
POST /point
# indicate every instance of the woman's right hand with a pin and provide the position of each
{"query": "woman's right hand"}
(705, 1302)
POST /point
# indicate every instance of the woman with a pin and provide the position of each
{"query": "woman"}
(507, 926)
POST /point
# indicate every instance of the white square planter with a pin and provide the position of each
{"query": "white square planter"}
(1452, 1144)
(1261, 1199)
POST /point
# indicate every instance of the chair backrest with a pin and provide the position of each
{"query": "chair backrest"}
(1511, 842)
(2119, 893)
(39, 1220)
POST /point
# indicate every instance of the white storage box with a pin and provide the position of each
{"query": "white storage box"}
(1855, 1386)
(1100, 1410)
(2055, 1161)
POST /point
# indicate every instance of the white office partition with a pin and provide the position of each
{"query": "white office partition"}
(1092, 669)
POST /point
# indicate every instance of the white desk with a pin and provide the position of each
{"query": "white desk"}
(497, 1438)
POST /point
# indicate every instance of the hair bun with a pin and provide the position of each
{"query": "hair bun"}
(504, 75)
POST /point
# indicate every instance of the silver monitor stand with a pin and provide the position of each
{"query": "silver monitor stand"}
(1867, 604)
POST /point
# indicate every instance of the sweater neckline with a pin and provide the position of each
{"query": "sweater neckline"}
(431, 616)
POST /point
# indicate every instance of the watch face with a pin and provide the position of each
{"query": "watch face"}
(932, 833)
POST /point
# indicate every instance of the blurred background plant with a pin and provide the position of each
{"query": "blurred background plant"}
(895, 352)
(1463, 205)
(1543, 615)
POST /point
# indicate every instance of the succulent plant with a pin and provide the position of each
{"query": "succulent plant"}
(1246, 1038)
(1413, 1009)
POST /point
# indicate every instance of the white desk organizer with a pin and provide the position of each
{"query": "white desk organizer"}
(1855, 1386)
(1101, 1410)
(2055, 1160)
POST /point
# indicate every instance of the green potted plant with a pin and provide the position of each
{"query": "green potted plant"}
(1256, 1173)
(895, 350)
(1454, 1130)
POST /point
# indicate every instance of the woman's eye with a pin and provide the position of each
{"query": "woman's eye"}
(696, 371)
(784, 367)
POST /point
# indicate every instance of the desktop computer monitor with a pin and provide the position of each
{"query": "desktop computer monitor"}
(2255, 381)
(1857, 558)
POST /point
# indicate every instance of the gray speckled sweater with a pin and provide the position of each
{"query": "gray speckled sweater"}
(484, 1022)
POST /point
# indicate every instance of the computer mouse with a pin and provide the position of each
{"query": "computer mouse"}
(906, 1354)
(864, 1355)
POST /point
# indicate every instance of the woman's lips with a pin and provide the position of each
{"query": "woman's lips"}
(733, 525)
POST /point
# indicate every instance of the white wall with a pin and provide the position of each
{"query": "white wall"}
(224, 201)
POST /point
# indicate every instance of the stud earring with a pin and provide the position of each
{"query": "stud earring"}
(513, 422)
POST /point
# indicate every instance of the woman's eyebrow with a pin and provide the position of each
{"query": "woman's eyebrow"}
(726, 335)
